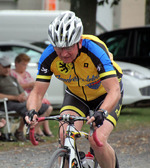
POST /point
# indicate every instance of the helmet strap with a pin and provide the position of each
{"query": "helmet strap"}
(78, 49)
(78, 52)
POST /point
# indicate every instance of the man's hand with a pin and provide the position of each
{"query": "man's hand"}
(98, 117)
(31, 118)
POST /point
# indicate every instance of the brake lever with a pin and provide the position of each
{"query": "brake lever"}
(93, 132)
(91, 129)
(27, 129)
(91, 112)
(28, 126)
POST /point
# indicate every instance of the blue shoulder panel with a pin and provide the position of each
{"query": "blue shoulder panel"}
(98, 51)
(46, 53)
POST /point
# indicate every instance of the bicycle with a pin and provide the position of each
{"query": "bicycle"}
(68, 153)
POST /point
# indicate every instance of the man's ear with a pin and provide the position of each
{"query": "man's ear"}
(80, 44)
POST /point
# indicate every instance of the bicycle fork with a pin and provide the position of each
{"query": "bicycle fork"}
(74, 160)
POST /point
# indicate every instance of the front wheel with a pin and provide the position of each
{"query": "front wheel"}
(59, 159)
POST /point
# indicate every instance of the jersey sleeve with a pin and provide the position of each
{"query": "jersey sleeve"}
(44, 66)
(105, 67)
(99, 54)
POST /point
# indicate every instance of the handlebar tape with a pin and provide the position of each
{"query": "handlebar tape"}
(41, 119)
(97, 141)
(32, 137)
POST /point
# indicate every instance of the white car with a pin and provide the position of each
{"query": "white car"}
(136, 82)
(136, 79)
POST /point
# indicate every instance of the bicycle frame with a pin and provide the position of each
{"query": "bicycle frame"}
(71, 135)
(70, 144)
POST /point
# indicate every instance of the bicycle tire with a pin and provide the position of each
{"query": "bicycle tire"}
(54, 161)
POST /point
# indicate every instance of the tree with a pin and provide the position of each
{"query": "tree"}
(86, 10)
(147, 13)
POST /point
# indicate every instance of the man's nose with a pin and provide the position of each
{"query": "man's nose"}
(64, 52)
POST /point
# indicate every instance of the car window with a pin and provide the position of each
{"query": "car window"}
(13, 51)
(143, 43)
(41, 44)
(117, 44)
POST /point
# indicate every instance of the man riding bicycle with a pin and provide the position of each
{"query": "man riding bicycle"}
(93, 81)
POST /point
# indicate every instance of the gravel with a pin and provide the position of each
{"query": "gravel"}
(132, 148)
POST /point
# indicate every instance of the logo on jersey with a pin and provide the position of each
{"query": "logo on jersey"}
(86, 65)
(99, 68)
(44, 70)
(94, 85)
(63, 67)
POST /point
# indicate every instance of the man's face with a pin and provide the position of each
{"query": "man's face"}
(4, 71)
(68, 54)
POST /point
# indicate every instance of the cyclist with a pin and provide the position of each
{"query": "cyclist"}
(93, 81)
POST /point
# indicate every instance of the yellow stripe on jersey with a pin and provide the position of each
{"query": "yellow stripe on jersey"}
(117, 66)
(107, 73)
(74, 109)
(43, 77)
(112, 119)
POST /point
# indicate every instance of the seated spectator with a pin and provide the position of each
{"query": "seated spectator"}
(11, 89)
(27, 83)
(2, 124)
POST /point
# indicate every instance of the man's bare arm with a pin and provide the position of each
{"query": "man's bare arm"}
(35, 98)
(112, 87)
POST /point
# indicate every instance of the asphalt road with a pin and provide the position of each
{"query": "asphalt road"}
(132, 148)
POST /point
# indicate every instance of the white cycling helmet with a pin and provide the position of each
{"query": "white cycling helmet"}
(65, 30)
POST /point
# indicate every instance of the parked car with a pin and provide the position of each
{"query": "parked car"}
(11, 49)
(136, 82)
(129, 45)
(43, 44)
(136, 78)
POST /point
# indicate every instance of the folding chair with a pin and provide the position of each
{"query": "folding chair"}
(6, 114)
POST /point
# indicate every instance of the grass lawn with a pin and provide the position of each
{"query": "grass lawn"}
(130, 118)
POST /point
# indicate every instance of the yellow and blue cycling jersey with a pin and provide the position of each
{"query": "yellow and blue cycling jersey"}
(83, 76)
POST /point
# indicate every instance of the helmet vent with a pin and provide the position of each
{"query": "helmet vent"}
(56, 38)
(67, 28)
(57, 26)
(72, 35)
(61, 34)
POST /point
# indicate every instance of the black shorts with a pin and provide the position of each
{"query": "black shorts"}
(20, 108)
(82, 107)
